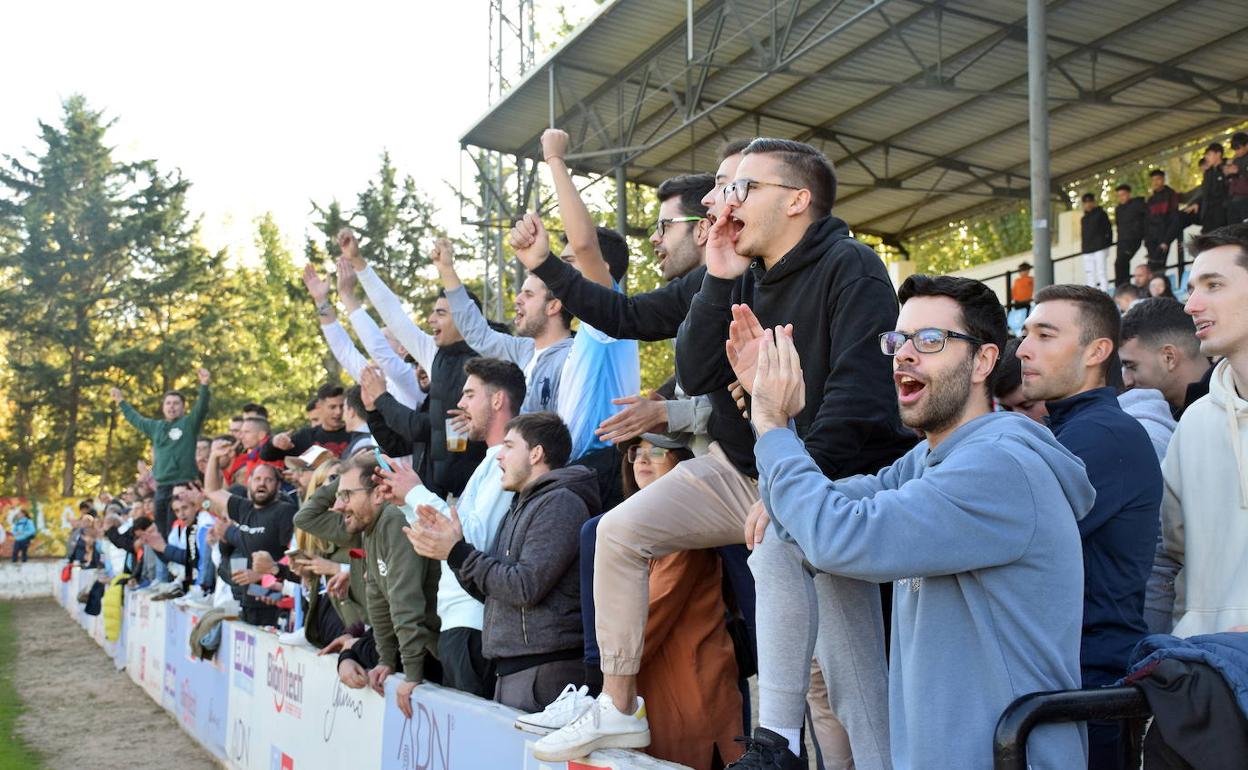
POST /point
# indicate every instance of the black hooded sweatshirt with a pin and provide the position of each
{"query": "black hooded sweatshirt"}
(400, 430)
(837, 294)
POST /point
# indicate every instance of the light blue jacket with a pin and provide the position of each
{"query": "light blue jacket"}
(980, 536)
(23, 529)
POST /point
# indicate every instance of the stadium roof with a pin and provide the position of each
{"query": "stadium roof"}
(921, 104)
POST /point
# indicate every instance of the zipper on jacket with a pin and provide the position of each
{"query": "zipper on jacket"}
(524, 626)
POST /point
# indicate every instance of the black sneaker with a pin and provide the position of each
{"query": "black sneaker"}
(767, 751)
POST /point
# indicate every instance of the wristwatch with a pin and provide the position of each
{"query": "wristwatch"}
(206, 504)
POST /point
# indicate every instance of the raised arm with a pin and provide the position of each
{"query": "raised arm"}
(145, 425)
(317, 517)
(202, 401)
(336, 336)
(581, 231)
(417, 341)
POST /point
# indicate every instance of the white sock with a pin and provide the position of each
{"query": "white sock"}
(792, 735)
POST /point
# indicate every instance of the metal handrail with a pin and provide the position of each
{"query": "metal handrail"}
(1009, 742)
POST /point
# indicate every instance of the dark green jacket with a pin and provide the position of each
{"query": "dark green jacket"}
(173, 442)
(402, 593)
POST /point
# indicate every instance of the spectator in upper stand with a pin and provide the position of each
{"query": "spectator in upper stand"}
(1236, 171)
(400, 430)
(1205, 510)
(385, 350)
(1023, 286)
(1159, 286)
(128, 539)
(331, 433)
(1127, 295)
(355, 419)
(1140, 277)
(958, 550)
(1071, 338)
(173, 443)
(1131, 217)
(402, 586)
(543, 331)
(492, 396)
(1007, 387)
(528, 578)
(1096, 236)
(1214, 192)
(1165, 223)
(1160, 351)
(261, 521)
(253, 437)
(23, 535)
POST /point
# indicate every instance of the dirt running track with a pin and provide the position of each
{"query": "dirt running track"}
(82, 712)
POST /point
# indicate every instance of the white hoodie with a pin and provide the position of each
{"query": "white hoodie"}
(1205, 510)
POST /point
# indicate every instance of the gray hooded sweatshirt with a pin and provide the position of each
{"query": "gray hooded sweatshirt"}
(980, 536)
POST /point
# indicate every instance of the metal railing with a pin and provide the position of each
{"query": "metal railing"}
(1009, 749)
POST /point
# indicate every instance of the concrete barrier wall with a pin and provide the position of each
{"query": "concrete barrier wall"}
(260, 705)
(29, 580)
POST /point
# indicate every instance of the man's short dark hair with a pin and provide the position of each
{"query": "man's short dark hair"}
(1009, 374)
(1130, 290)
(328, 390)
(1230, 235)
(1239, 139)
(254, 408)
(1098, 315)
(310, 406)
(502, 375)
(691, 189)
(1088, 197)
(1157, 172)
(176, 393)
(546, 430)
(982, 314)
(615, 251)
(366, 464)
(263, 423)
(1124, 187)
(355, 400)
(733, 147)
(86, 506)
(236, 418)
(1215, 147)
(807, 168)
(472, 295)
(1158, 321)
(140, 523)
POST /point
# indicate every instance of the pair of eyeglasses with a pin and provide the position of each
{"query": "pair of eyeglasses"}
(931, 340)
(740, 189)
(345, 494)
(635, 453)
(660, 227)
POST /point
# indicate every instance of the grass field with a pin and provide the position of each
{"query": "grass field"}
(14, 755)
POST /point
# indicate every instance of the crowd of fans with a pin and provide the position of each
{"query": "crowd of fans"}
(832, 493)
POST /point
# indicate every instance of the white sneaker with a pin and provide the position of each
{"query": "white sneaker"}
(601, 726)
(570, 704)
(295, 639)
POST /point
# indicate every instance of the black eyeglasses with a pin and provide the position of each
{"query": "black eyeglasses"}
(740, 189)
(654, 453)
(925, 340)
(660, 227)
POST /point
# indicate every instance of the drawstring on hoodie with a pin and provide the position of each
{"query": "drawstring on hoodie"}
(1232, 420)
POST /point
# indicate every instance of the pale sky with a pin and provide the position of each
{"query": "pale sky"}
(264, 106)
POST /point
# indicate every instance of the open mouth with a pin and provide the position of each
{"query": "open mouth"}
(735, 226)
(909, 387)
(1202, 327)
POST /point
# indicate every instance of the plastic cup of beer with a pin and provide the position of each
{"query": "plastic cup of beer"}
(455, 441)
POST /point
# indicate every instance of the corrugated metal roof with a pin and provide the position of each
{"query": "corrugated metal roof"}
(920, 104)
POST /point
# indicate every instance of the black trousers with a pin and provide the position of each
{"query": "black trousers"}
(464, 668)
(23, 547)
(164, 509)
(1237, 209)
(1122, 263)
(1158, 253)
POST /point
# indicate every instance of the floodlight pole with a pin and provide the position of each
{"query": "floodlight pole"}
(1038, 124)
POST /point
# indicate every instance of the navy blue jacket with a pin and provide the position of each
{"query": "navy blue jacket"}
(1119, 533)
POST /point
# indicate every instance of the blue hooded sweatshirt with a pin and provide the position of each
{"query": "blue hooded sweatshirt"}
(980, 536)
(1119, 533)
